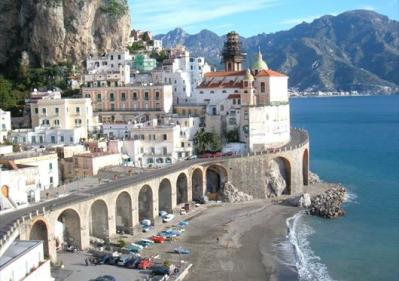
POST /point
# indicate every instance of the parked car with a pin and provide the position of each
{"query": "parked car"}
(181, 250)
(167, 234)
(133, 263)
(105, 278)
(145, 228)
(168, 218)
(160, 278)
(158, 239)
(183, 212)
(217, 154)
(124, 259)
(134, 248)
(229, 153)
(102, 259)
(146, 222)
(160, 270)
(182, 224)
(145, 263)
(162, 213)
(206, 155)
(111, 260)
(71, 249)
(144, 243)
(192, 157)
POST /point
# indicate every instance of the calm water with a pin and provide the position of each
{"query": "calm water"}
(354, 141)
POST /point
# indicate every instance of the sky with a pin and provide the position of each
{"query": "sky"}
(248, 17)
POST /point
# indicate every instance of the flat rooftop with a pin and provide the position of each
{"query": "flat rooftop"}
(26, 154)
(17, 249)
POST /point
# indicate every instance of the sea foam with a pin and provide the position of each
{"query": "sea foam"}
(306, 262)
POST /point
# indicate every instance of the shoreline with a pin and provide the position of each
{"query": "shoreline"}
(240, 241)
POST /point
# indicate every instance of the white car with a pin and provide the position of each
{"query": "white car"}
(162, 213)
(168, 218)
(183, 212)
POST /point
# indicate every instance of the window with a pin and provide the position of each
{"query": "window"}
(153, 150)
(50, 166)
(182, 144)
(112, 57)
(33, 139)
(119, 57)
(52, 139)
(36, 110)
(44, 111)
(41, 139)
(234, 101)
(78, 122)
(224, 91)
(157, 96)
(141, 150)
(212, 92)
(99, 97)
(123, 96)
(165, 150)
(239, 101)
(201, 92)
(56, 122)
(165, 137)
(57, 110)
(62, 138)
(262, 87)
(111, 96)
(221, 107)
(134, 96)
(112, 107)
(146, 97)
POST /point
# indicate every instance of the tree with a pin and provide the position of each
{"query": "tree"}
(6, 99)
(206, 141)
(233, 136)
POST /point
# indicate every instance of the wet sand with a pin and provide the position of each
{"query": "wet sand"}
(238, 241)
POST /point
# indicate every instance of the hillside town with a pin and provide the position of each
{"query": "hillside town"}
(137, 112)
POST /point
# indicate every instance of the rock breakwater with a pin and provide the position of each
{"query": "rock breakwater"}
(328, 204)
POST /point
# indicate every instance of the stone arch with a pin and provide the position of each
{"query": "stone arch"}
(165, 196)
(5, 190)
(197, 182)
(124, 213)
(146, 203)
(182, 189)
(70, 220)
(305, 167)
(39, 231)
(282, 170)
(216, 177)
(98, 219)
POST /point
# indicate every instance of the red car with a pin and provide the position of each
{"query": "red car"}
(206, 155)
(145, 263)
(158, 239)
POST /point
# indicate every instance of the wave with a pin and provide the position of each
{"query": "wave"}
(350, 197)
(307, 263)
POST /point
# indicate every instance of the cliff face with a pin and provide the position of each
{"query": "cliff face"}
(53, 31)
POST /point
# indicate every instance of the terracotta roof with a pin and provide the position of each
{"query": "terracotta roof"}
(225, 85)
(270, 73)
(234, 96)
(225, 73)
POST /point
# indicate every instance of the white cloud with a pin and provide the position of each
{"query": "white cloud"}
(368, 7)
(161, 15)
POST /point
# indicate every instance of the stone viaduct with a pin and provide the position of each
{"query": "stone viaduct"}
(122, 204)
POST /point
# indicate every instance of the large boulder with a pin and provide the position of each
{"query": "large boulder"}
(276, 184)
(231, 194)
(329, 203)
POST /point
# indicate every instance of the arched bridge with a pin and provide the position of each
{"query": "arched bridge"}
(121, 205)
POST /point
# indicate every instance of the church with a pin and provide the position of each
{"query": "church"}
(253, 101)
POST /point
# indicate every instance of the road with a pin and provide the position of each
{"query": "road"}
(298, 137)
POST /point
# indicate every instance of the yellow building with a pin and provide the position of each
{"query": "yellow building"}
(64, 114)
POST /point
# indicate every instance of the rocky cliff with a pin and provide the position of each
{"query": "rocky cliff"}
(53, 31)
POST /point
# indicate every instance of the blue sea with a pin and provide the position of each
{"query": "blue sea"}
(353, 141)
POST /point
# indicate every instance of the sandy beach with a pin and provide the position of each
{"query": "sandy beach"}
(238, 241)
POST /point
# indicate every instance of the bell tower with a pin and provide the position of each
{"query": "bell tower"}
(232, 54)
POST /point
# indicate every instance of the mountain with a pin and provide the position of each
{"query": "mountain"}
(355, 50)
(53, 31)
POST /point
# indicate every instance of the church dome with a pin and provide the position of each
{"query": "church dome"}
(259, 63)
(248, 76)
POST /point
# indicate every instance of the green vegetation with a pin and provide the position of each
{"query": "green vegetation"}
(53, 3)
(117, 8)
(136, 47)
(167, 263)
(161, 56)
(233, 136)
(122, 243)
(17, 85)
(205, 141)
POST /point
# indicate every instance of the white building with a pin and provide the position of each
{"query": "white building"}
(5, 124)
(184, 73)
(253, 101)
(42, 136)
(152, 144)
(24, 260)
(47, 162)
(20, 184)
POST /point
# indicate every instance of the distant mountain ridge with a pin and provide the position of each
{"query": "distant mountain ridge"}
(355, 50)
